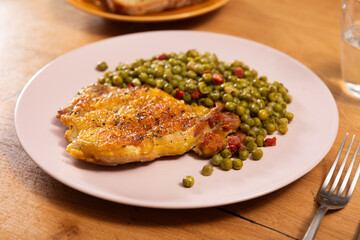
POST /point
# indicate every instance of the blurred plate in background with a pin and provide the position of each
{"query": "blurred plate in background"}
(99, 9)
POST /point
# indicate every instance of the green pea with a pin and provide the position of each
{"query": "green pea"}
(203, 88)
(230, 106)
(128, 79)
(159, 71)
(226, 74)
(227, 97)
(289, 116)
(254, 108)
(226, 153)
(243, 154)
(160, 83)
(177, 77)
(151, 82)
(190, 87)
(136, 82)
(176, 69)
(226, 164)
(207, 170)
(236, 100)
(283, 128)
(117, 80)
(108, 74)
(174, 83)
(101, 66)
(167, 74)
(283, 121)
(251, 146)
(248, 74)
(244, 128)
(259, 140)
(207, 66)
(263, 132)
(244, 104)
(102, 80)
(216, 159)
(215, 95)
(201, 101)
(207, 77)
(237, 164)
(257, 154)
(263, 114)
(168, 87)
(257, 121)
(244, 117)
(182, 86)
(260, 103)
(277, 107)
(269, 110)
(240, 110)
(188, 181)
(254, 72)
(270, 128)
(191, 74)
(251, 133)
(263, 78)
(283, 105)
(198, 68)
(264, 91)
(250, 122)
(187, 97)
(272, 96)
(208, 102)
(287, 98)
(143, 76)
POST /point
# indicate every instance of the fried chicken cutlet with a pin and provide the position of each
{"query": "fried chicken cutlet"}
(110, 125)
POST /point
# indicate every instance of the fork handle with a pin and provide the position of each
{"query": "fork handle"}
(314, 226)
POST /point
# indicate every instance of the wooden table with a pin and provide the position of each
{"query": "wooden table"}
(35, 206)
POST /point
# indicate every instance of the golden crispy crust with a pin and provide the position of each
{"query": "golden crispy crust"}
(111, 126)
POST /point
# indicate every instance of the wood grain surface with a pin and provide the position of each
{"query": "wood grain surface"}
(35, 206)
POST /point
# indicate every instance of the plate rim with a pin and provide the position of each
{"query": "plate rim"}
(146, 203)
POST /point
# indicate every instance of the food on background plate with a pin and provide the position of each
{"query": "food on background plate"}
(111, 125)
(142, 7)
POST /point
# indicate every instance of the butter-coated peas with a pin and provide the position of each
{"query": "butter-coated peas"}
(203, 79)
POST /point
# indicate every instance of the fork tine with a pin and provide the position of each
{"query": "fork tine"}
(331, 171)
(353, 184)
(336, 181)
(347, 176)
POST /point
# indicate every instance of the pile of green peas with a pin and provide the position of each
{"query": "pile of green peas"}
(194, 78)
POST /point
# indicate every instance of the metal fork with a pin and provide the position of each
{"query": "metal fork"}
(331, 199)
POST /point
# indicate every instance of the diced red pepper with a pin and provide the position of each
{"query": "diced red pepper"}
(270, 142)
(179, 94)
(242, 146)
(162, 56)
(217, 78)
(234, 143)
(130, 85)
(206, 71)
(239, 72)
(196, 94)
(241, 135)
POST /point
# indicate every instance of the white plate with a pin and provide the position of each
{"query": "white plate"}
(158, 184)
